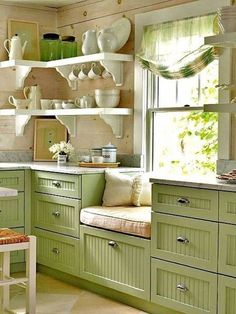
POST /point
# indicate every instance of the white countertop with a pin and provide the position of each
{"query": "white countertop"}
(202, 182)
(70, 168)
(5, 192)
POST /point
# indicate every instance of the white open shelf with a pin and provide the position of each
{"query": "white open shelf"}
(224, 108)
(226, 40)
(112, 62)
(111, 116)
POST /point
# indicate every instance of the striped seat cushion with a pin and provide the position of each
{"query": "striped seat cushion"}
(126, 219)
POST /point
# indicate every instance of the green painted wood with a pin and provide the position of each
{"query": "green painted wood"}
(124, 267)
(61, 184)
(200, 248)
(57, 251)
(227, 295)
(12, 211)
(12, 179)
(55, 213)
(28, 201)
(227, 249)
(135, 302)
(200, 296)
(201, 203)
(92, 189)
(227, 207)
(18, 256)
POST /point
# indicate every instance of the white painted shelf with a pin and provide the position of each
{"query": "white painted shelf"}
(112, 62)
(224, 108)
(111, 116)
(226, 40)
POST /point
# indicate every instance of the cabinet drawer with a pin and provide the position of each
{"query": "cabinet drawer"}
(55, 213)
(183, 288)
(58, 251)
(190, 202)
(227, 295)
(117, 261)
(186, 241)
(57, 183)
(12, 179)
(18, 256)
(227, 207)
(12, 211)
(227, 249)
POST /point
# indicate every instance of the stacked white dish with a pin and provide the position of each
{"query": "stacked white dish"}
(227, 18)
(107, 98)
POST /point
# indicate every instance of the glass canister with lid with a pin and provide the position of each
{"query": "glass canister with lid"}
(109, 153)
(68, 47)
(50, 48)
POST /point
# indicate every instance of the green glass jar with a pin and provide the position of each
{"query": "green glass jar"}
(50, 47)
(68, 47)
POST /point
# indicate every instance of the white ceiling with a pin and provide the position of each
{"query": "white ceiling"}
(47, 3)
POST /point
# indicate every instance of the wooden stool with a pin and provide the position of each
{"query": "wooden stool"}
(13, 241)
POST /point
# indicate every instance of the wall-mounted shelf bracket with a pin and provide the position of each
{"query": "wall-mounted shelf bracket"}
(69, 122)
(65, 70)
(22, 72)
(116, 70)
(115, 122)
(20, 124)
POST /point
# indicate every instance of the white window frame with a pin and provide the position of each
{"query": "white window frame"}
(142, 118)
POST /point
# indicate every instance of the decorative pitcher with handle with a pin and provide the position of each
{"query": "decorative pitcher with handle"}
(107, 40)
(14, 47)
(89, 45)
(34, 94)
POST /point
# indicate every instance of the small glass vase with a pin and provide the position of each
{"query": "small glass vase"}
(61, 159)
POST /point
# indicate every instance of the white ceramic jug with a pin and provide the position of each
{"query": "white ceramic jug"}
(107, 40)
(14, 48)
(34, 94)
(89, 45)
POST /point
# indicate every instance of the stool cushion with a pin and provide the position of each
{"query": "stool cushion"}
(8, 236)
(126, 219)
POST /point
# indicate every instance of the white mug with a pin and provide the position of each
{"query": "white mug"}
(83, 74)
(74, 74)
(57, 103)
(95, 72)
(46, 104)
(19, 103)
(106, 74)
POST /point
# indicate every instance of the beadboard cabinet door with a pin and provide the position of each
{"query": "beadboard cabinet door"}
(116, 260)
(13, 179)
(55, 213)
(227, 203)
(182, 288)
(227, 295)
(184, 240)
(185, 201)
(12, 211)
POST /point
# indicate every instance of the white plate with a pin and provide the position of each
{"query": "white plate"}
(122, 29)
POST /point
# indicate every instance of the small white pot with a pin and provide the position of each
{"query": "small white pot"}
(61, 159)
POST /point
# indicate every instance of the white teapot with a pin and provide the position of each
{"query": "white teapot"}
(34, 94)
(14, 48)
(107, 40)
(89, 45)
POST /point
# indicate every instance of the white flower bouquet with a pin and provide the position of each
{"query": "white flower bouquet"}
(61, 148)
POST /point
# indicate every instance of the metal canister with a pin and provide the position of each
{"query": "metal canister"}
(96, 151)
(109, 153)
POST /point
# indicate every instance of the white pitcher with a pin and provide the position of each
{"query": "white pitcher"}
(34, 94)
(14, 48)
(107, 40)
(89, 40)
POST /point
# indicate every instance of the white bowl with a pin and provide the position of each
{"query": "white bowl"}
(68, 105)
(107, 101)
(107, 92)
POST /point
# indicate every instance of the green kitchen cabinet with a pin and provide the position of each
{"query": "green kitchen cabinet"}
(182, 288)
(55, 213)
(227, 212)
(12, 211)
(118, 261)
(13, 179)
(185, 201)
(227, 295)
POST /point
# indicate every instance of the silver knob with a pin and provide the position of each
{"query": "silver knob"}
(182, 288)
(56, 214)
(55, 250)
(183, 200)
(113, 244)
(57, 184)
(182, 240)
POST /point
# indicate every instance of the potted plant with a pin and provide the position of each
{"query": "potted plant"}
(62, 151)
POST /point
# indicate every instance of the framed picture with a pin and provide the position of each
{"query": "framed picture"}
(46, 133)
(27, 31)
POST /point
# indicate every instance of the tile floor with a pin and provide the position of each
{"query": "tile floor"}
(56, 297)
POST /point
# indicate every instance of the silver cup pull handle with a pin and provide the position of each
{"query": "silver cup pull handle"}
(56, 214)
(113, 244)
(57, 184)
(182, 240)
(182, 288)
(55, 250)
(183, 200)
